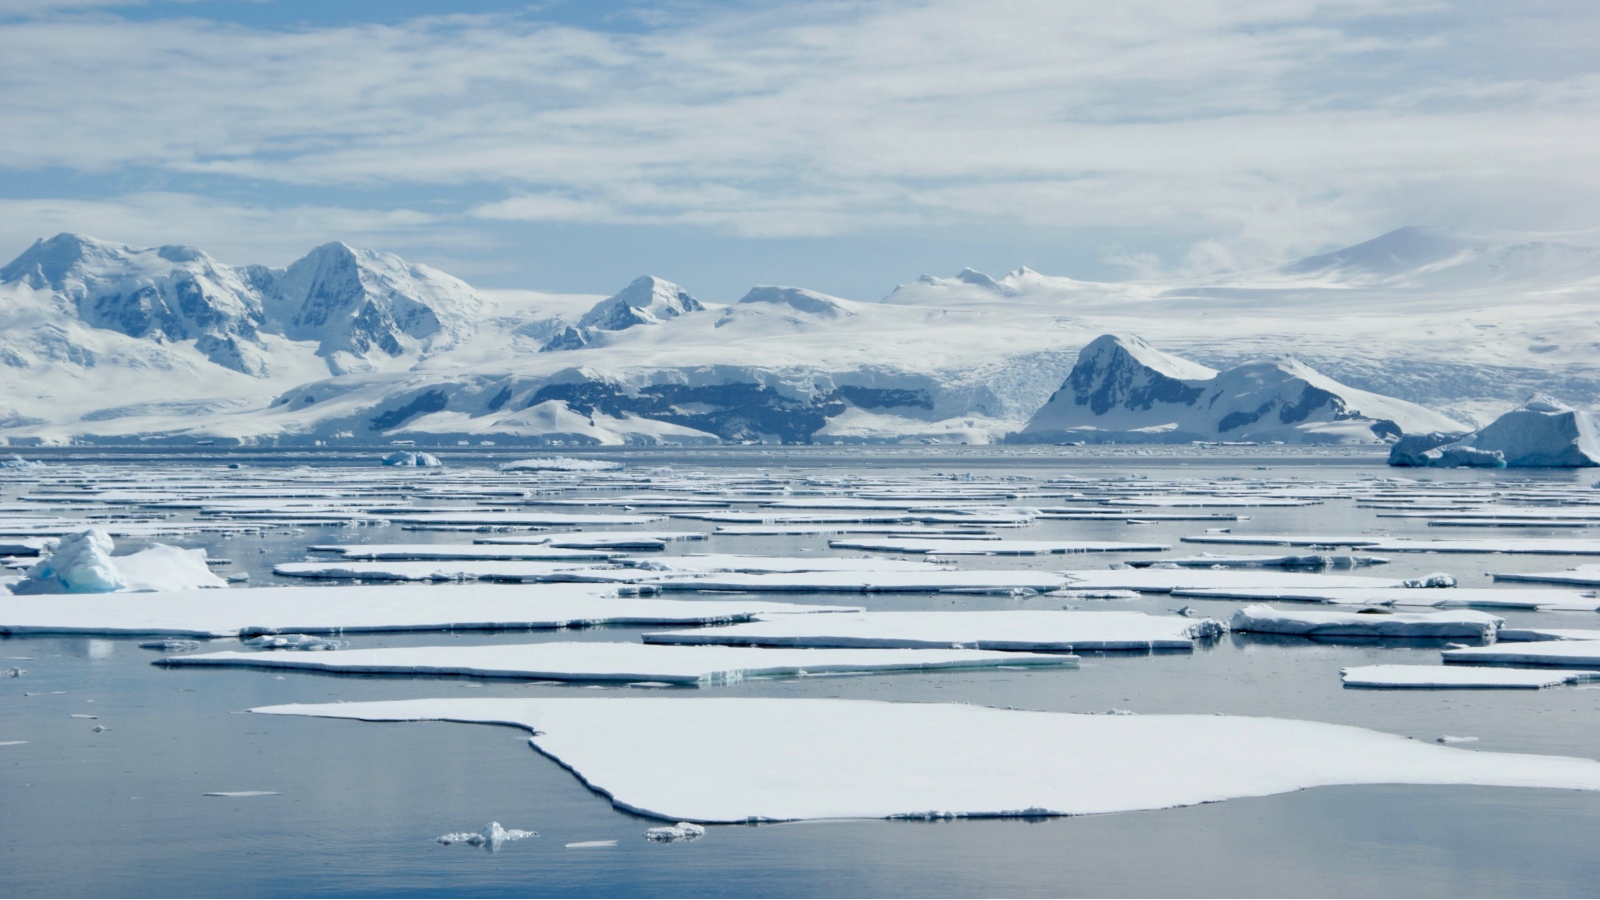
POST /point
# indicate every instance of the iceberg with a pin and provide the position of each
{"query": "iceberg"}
(82, 563)
(1543, 433)
(413, 460)
(747, 759)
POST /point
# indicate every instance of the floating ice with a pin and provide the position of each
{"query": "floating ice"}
(1164, 580)
(745, 758)
(559, 464)
(1439, 598)
(589, 845)
(428, 552)
(164, 568)
(320, 610)
(242, 794)
(994, 547)
(1549, 634)
(1553, 546)
(1563, 654)
(1543, 433)
(492, 837)
(1292, 561)
(1283, 540)
(291, 642)
(1008, 629)
(80, 564)
(171, 645)
(418, 460)
(430, 570)
(1464, 623)
(683, 831)
(882, 579)
(1582, 576)
(1463, 677)
(604, 661)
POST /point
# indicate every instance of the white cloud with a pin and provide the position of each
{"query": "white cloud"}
(1271, 124)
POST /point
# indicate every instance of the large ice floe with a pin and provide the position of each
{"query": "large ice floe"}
(1008, 629)
(1458, 677)
(753, 759)
(1160, 579)
(1437, 598)
(1464, 623)
(606, 661)
(370, 608)
(964, 547)
(1580, 576)
(1544, 433)
(82, 563)
(1560, 654)
(882, 579)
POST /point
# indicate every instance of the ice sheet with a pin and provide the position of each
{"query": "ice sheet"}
(1566, 654)
(320, 610)
(1008, 629)
(1469, 677)
(605, 661)
(749, 759)
(1465, 623)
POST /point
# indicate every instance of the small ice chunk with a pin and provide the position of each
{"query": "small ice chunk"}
(491, 838)
(170, 645)
(581, 845)
(1436, 580)
(408, 459)
(1453, 739)
(15, 672)
(242, 794)
(683, 831)
(293, 642)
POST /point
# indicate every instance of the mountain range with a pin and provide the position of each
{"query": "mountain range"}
(1419, 328)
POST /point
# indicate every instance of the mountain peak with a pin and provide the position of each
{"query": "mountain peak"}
(799, 299)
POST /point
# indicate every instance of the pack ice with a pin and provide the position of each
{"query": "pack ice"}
(607, 661)
(754, 759)
(1009, 629)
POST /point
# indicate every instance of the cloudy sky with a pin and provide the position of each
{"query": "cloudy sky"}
(844, 146)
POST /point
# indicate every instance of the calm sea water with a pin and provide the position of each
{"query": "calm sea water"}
(122, 811)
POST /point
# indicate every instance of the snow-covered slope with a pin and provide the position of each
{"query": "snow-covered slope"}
(104, 342)
(1123, 389)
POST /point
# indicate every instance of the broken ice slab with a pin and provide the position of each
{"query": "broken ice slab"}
(1160, 580)
(1465, 623)
(601, 540)
(606, 661)
(1287, 561)
(1284, 540)
(1582, 576)
(430, 570)
(1541, 546)
(1438, 598)
(1458, 677)
(430, 552)
(1559, 654)
(998, 547)
(743, 759)
(885, 579)
(321, 610)
(1549, 634)
(555, 520)
(1009, 629)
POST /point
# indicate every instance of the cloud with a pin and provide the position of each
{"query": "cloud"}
(1269, 125)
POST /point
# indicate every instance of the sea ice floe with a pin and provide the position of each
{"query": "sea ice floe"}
(1283, 540)
(885, 579)
(708, 563)
(1549, 634)
(1438, 598)
(1458, 677)
(997, 547)
(241, 794)
(431, 570)
(559, 464)
(291, 642)
(1582, 576)
(1009, 629)
(1561, 654)
(606, 661)
(1542, 546)
(321, 610)
(751, 759)
(532, 550)
(1161, 580)
(1288, 561)
(601, 540)
(1465, 623)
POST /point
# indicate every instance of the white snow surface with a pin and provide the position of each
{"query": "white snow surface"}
(1542, 434)
(742, 759)
(1470, 677)
(366, 608)
(1009, 629)
(607, 661)
(1464, 623)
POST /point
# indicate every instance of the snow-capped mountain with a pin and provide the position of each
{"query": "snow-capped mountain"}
(1123, 389)
(647, 301)
(104, 342)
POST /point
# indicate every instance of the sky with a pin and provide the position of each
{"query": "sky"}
(841, 146)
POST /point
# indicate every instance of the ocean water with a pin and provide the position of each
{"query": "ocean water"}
(357, 805)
